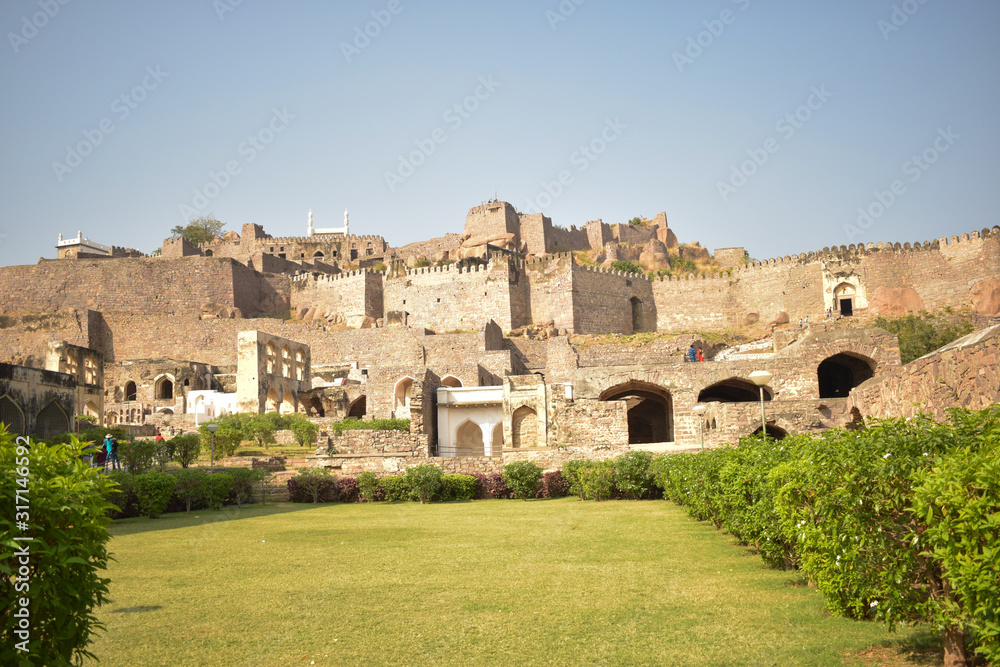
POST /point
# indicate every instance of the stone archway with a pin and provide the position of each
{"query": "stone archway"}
(844, 371)
(496, 444)
(358, 408)
(733, 390)
(12, 415)
(130, 391)
(469, 440)
(163, 388)
(271, 402)
(51, 420)
(524, 428)
(288, 403)
(844, 296)
(650, 411)
(451, 381)
(403, 393)
(773, 432)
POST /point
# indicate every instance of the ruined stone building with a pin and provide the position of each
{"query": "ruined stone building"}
(498, 343)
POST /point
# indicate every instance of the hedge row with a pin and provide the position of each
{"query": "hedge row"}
(899, 521)
(153, 493)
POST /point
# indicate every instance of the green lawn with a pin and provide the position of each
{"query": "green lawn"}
(483, 583)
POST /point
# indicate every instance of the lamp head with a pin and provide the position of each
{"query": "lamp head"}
(700, 409)
(761, 378)
(212, 428)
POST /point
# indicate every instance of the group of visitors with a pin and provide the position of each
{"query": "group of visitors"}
(103, 456)
(694, 355)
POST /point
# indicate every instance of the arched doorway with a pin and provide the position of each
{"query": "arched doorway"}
(163, 390)
(773, 432)
(497, 440)
(402, 394)
(650, 411)
(90, 408)
(287, 403)
(318, 255)
(11, 415)
(469, 440)
(358, 408)
(842, 372)
(732, 390)
(843, 299)
(636, 306)
(450, 381)
(129, 391)
(271, 402)
(316, 407)
(52, 420)
(524, 428)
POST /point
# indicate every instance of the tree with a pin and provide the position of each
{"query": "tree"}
(199, 230)
(424, 480)
(60, 580)
(522, 477)
(243, 483)
(305, 432)
(186, 448)
(313, 479)
(190, 486)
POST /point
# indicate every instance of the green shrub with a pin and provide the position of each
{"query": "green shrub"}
(123, 499)
(421, 263)
(190, 487)
(424, 481)
(153, 490)
(597, 480)
(368, 486)
(394, 489)
(305, 433)
(633, 478)
(186, 448)
(137, 455)
(521, 477)
(570, 471)
(228, 437)
(313, 479)
(958, 500)
(922, 333)
(457, 487)
(68, 517)
(243, 481)
(627, 266)
(217, 487)
(163, 453)
(370, 425)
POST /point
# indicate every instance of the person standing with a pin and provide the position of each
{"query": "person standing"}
(112, 449)
(701, 357)
(691, 354)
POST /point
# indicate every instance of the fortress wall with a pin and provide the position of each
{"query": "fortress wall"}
(634, 235)
(599, 233)
(535, 229)
(693, 304)
(177, 287)
(354, 294)
(602, 304)
(491, 218)
(448, 243)
(453, 297)
(551, 290)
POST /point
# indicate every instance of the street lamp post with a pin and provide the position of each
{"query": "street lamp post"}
(700, 410)
(212, 428)
(761, 378)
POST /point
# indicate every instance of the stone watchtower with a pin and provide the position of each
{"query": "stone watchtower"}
(491, 219)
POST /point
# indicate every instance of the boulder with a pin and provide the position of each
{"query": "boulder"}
(895, 301)
(654, 255)
(986, 297)
(750, 317)
(780, 318)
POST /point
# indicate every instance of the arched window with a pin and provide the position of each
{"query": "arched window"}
(286, 362)
(270, 352)
(300, 365)
(469, 440)
(842, 372)
(450, 381)
(497, 441)
(318, 254)
(72, 365)
(524, 427)
(402, 393)
(129, 391)
(163, 390)
(650, 411)
(12, 415)
(52, 420)
(90, 370)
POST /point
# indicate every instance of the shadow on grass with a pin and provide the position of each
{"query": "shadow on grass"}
(202, 517)
(137, 610)
(921, 649)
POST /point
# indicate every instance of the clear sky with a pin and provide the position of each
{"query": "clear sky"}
(761, 124)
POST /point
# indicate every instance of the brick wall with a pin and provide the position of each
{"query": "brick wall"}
(603, 301)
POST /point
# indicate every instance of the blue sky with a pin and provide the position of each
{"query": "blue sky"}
(761, 124)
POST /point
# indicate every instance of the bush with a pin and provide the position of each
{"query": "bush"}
(241, 488)
(521, 477)
(457, 487)
(217, 487)
(633, 477)
(346, 490)
(125, 504)
(163, 453)
(394, 489)
(922, 333)
(370, 425)
(186, 448)
(305, 432)
(424, 481)
(314, 482)
(153, 489)
(553, 485)
(597, 480)
(627, 266)
(570, 471)
(368, 486)
(68, 521)
(137, 455)
(190, 487)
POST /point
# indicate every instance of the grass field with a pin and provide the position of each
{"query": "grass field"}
(558, 582)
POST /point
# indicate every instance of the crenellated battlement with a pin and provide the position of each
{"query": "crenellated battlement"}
(612, 272)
